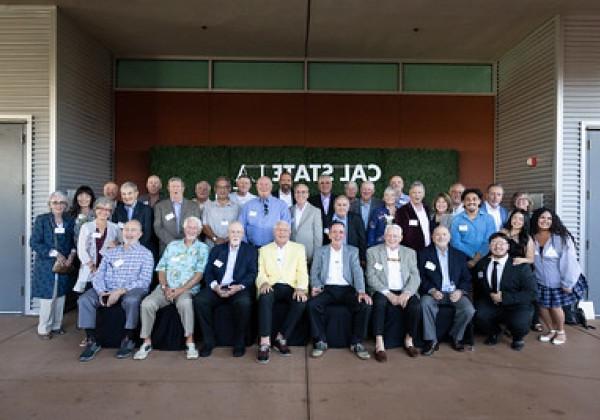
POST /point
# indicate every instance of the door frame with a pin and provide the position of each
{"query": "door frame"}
(27, 120)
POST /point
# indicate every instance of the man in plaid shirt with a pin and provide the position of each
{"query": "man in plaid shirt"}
(124, 275)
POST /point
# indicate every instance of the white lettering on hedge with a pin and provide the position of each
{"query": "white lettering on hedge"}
(311, 172)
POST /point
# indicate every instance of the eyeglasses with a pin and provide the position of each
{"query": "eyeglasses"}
(104, 208)
(57, 203)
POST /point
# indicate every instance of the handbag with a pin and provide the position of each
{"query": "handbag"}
(59, 267)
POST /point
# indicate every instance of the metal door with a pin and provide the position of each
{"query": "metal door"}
(12, 228)
(593, 218)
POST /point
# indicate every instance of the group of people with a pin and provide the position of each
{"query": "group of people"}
(496, 267)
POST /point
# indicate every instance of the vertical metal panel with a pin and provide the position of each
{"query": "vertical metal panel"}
(581, 102)
(526, 107)
(84, 109)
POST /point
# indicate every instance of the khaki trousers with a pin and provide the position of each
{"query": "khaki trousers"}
(156, 300)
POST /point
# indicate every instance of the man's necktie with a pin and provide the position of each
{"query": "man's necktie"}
(495, 277)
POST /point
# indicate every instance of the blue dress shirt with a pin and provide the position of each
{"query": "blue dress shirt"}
(259, 216)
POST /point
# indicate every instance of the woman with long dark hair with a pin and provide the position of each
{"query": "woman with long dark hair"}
(82, 207)
(557, 272)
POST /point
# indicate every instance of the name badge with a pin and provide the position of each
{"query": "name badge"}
(378, 266)
(146, 202)
(463, 228)
(218, 263)
(326, 231)
(480, 275)
(118, 263)
(59, 230)
(96, 235)
(430, 266)
(224, 222)
(551, 252)
(169, 216)
(536, 252)
(121, 225)
(413, 222)
(252, 213)
(53, 253)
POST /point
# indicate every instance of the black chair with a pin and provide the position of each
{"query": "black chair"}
(301, 333)
(224, 327)
(110, 326)
(167, 333)
(338, 326)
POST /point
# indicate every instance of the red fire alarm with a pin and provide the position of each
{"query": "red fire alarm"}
(532, 162)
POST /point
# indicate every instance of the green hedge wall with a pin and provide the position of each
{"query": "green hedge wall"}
(437, 169)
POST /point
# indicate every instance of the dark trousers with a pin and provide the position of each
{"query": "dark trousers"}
(280, 293)
(205, 303)
(411, 315)
(517, 318)
(345, 295)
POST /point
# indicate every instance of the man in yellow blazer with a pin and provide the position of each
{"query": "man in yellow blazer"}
(282, 276)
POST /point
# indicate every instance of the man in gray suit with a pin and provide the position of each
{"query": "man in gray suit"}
(393, 279)
(170, 213)
(336, 277)
(307, 225)
(366, 204)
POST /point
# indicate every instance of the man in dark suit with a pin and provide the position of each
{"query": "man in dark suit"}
(131, 208)
(366, 205)
(413, 218)
(445, 280)
(355, 232)
(170, 213)
(229, 277)
(324, 201)
(503, 293)
(285, 192)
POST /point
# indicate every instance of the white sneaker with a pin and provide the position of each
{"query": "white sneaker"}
(191, 352)
(143, 352)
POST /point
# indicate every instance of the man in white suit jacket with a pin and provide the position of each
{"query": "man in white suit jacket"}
(307, 225)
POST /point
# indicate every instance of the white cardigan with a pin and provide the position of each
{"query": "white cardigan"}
(86, 249)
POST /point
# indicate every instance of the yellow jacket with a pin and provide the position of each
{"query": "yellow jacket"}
(294, 268)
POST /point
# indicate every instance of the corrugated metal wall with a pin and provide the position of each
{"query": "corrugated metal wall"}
(526, 114)
(581, 102)
(26, 50)
(84, 109)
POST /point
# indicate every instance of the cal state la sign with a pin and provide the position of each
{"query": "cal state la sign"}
(310, 172)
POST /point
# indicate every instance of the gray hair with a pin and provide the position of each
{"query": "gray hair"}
(61, 196)
(393, 227)
(192, 219)
(129, 184)
(351, 184)
(104, 202)
(235, 223)
(416, 184)
(389, 190)
(176, 179)
(368, 183)
(282, 223)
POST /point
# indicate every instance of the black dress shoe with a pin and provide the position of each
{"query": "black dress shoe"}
(491, 340)
(430, 348)
(517, 345)
(411, 351)
(206, 350)
(239, 351)
(458, 346)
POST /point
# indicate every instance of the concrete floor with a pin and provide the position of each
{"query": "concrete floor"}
(44, 380)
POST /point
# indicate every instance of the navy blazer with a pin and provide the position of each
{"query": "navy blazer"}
(432, 279)
(244, 271)
(142, 213)
(412, 235)
(517, 284)
(315, 200)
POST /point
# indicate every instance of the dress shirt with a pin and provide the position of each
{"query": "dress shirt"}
(231, 259)
(298, 212)
(124, 268)
(499, 270)
(365, 209)
(447, 285)
(287, 198)
(395, 281)
(181, 262)
(280, 256)
(471, 236)
(177, 210)
(337, 218)
(241, 200)
(424, 222)
(402, 200)
(336, 268)
(495, 213)
(258, 226)
(325, 202)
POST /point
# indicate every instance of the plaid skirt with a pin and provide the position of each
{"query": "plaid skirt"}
(550, 297)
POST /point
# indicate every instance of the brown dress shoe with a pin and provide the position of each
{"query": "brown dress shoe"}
(381, 356)
(411, 351)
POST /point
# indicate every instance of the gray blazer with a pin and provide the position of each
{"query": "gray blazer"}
(166, 230)
(352, 271)
(375, 204)
(377, 269)
(310, 229)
